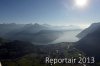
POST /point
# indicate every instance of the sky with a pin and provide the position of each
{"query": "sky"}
(54, 12)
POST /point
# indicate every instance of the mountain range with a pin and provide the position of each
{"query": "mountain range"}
(36, 33)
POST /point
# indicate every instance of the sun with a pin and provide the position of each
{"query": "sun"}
(81, 3)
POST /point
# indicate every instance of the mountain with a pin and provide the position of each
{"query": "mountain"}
(5, 28)
(88, 30)
(30, 32)
(34, 28)
(90, 44)
(27, 28)
(42, 37)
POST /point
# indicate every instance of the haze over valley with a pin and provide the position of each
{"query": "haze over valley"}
(40, 34)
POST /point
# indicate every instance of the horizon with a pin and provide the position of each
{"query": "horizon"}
(70, 25)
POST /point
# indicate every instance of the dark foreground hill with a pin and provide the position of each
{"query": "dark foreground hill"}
(15, 49)
(19, 53)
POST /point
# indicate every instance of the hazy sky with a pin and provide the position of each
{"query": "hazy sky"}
(57, 12)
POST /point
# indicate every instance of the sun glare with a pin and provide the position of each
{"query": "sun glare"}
(81, 3)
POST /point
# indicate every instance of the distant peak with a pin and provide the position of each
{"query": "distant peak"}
(36, 24)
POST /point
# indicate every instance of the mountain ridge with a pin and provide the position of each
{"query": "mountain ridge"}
(90, 44)
(88, 30)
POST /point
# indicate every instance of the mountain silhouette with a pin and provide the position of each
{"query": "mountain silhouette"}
(90, 44)
(88, 30)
